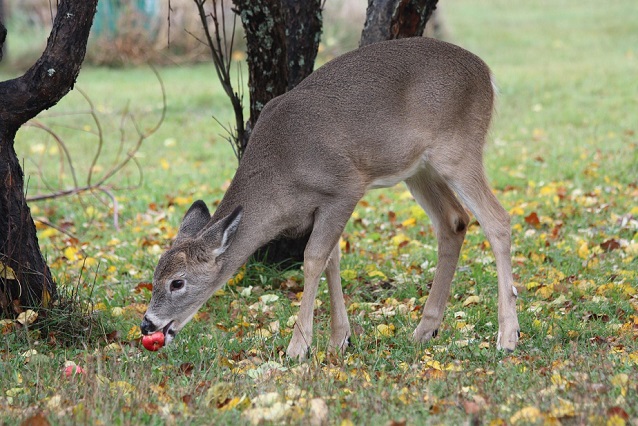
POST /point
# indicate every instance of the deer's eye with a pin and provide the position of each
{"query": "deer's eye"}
(177, 284)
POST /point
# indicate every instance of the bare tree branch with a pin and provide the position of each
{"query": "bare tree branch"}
(221, 53)
(101, 184)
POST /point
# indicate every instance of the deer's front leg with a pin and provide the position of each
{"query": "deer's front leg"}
(302, 333)
(329, 222)
(339, 324)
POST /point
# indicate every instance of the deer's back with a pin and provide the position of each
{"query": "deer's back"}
(374, 111)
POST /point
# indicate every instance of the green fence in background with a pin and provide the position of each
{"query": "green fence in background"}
(109, 13)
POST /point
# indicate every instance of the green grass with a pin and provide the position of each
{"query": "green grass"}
(563, 146)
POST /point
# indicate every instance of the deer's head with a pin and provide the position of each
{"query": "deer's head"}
(190, 272)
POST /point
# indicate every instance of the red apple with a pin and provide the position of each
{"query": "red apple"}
(72, 370)
(153, 342)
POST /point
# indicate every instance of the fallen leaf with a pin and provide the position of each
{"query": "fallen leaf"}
(527, 415)
(269, 298)
(610, 245)
(386, 330)
(617, 412)
(143, 286)
(218, 394)
(533, 220)
(36, 420)
(472, 300)
(563, 408)
(318, 412)
(6, 272)
(27, 317)
(186, 368)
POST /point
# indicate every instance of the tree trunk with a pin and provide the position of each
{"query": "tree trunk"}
(24, 275)
(3, 30)
(391, 19)
(282, 39)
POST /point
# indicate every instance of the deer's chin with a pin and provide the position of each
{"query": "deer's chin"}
(169, 332)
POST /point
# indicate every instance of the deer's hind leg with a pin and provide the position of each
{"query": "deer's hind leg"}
(450, 221)
(473, 189)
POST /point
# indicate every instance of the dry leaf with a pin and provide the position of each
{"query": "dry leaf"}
(472, 300)
(527, 415)
(36, 420)
(27, 317)
(6, 272)
(318, 412)
(533, 220)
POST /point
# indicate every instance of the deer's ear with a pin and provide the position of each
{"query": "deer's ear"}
(195, 219)
(219, 235)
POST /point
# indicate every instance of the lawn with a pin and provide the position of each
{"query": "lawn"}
(562, 158)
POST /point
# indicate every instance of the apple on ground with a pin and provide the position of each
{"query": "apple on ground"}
(72, 370)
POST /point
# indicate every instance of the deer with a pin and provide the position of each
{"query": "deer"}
(413, 110)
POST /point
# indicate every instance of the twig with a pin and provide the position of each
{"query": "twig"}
(94, 184)
(56, 227)
(222, 60)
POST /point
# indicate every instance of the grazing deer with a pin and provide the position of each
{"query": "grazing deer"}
(414, 110)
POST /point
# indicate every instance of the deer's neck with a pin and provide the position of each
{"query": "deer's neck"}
(258, 191)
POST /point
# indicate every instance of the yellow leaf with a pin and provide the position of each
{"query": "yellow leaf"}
(182, 201)
(545, 292)
(564, 408)
(6, 272)
(616, 420)
(346, 422)
(100, 306)
(165, 165)
(583, 250)
(134, 333)
(472, 300)
(121, 388)
(527, 415)
(434, 364)
(348, 274)
(47, 233)
(409, 222)
(238, 403)
(46, 297)
(399, 239)
(90, 261)
(27, 317)
(386, 330)
(71, 253)
(532, 284)
(517, 211)
(218, 394)
(377, 273)
(621, 380)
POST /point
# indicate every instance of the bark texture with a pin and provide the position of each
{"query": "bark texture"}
(392, 19)
(26, 276)
(282, 39)
(3, 30)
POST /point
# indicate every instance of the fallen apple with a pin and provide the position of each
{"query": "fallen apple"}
(153, 342)
(72, 370)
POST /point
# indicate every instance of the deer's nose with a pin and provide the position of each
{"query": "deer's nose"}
(147, 326)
